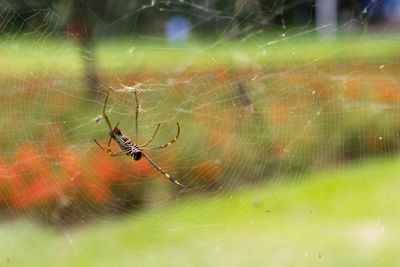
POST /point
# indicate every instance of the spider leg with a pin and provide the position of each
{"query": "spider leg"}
(108, 149)
(136, 117)
(113, 154)
(102, 148)
(151, 139)
(168, 144)
(163, 172)
(104, 109)
(111, 135)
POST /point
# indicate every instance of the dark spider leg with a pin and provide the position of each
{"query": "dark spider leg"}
(163, 172)
(108, 150)
(151, 139)
(104, 109)
(105, 118)
(113, 154)
(136, 118)
(111, 135)
(102, 148)
(168, 144)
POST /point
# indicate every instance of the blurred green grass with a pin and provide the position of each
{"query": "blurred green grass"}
(342, 217)
(35, 55)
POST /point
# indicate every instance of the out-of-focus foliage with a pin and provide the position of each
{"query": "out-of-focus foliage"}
(242, 118)
(104, 16)
(251, 112)
(111, 17)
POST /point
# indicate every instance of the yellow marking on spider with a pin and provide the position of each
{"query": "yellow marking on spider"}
(167, 175)
(169, 144)
(177, 182)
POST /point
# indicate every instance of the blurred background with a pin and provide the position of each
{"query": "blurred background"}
(289, 114)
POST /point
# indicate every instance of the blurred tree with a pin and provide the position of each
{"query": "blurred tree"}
(81, 27)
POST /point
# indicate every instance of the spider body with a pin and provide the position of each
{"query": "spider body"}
(126, 144)
(129, 148)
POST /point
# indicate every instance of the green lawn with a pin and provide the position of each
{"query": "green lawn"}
(32, 55)
(345, 217)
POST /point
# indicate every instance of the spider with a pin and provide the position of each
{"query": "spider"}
(128, 147)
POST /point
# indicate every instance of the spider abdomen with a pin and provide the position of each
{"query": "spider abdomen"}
(136, 153)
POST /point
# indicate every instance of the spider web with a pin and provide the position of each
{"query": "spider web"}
(257, 99)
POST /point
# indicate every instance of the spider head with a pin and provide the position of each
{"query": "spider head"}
(115, 131)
